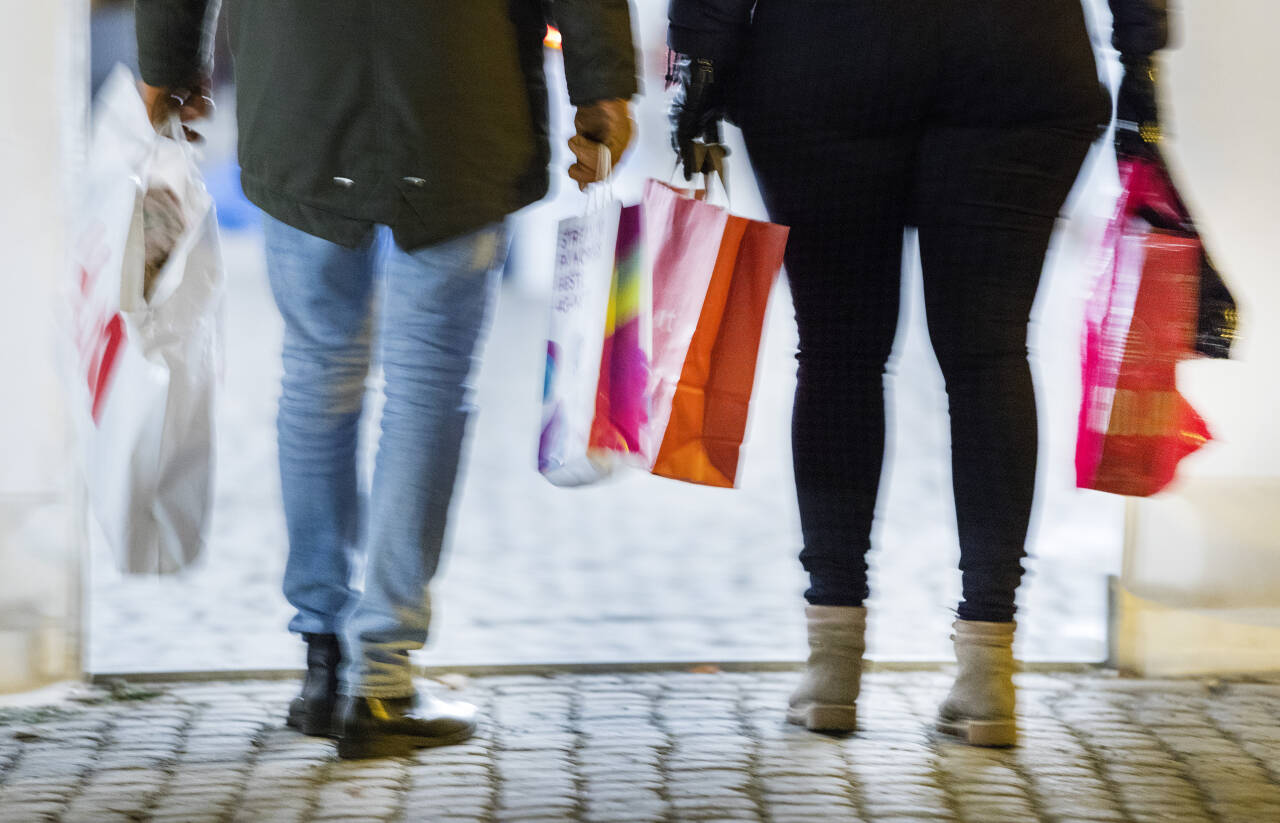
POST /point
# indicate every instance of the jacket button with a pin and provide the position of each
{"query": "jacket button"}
(345, 182)
(415, 181)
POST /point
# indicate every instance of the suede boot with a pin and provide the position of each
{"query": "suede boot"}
(827, 696)
(980, 707)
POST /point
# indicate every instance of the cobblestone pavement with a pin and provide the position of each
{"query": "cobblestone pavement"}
(659, 747)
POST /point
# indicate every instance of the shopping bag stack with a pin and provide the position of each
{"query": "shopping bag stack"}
(652, 353)
(1158, 301)
(145, 297)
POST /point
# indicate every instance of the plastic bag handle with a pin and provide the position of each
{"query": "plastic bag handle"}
(600, 193)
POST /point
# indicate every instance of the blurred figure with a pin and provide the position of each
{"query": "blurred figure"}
(970, 122)
(384, 141)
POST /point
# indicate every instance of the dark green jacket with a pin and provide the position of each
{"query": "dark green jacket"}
(426, 115)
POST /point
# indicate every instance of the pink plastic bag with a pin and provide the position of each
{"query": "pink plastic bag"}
(1141, 320)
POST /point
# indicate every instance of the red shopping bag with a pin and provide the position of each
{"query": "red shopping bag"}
(712, 274)
(1147, 313)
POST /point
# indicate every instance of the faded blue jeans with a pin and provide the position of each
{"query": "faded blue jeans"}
(433, 313)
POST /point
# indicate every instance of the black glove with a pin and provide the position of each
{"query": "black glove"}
(1137, 110)
(696, 112)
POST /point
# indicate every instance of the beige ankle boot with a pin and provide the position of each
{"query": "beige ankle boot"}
(826, 698)
(980, 707)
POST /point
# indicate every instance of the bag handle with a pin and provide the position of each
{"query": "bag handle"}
(710, 160)
(600, 192)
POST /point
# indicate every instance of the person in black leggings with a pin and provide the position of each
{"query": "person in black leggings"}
(968, 121)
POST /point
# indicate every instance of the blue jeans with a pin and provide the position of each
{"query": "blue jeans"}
(433, 314)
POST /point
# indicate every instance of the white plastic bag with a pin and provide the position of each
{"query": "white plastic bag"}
(145, 312)
(575, 342)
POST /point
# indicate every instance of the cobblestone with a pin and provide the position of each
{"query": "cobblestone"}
(616, 749)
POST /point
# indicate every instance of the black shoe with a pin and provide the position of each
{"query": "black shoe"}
(312, 712)
(393, 727)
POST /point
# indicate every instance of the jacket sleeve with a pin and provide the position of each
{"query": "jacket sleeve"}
(1140, 27)
(175, 40)
(708, 28)
(599, 54)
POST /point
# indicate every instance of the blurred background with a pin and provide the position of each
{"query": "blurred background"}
(645, 569)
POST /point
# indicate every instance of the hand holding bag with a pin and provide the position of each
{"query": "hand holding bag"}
(597, 368)
(146, 299)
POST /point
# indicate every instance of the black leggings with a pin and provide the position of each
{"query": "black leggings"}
(969, 121)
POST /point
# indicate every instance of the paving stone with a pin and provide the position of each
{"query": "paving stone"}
(461, 773)
(606, 812)
(877, 811)
(775, 768)
(93, 816)
(354, 812)
(10, 797)
(1082, 806)
(456, 807)
(539, 815)
(563, 784)
(999, 812)
(162, 815)
(916, 795)
(623, 793)
(564, 799)
(710, 777)
(807, 801)
(601, 767)
(815, 816)
(738, 802)
(35, 811)
(563, 741)
(806, 785)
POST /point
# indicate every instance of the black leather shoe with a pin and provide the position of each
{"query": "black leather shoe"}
(393, 727)
(312, 712)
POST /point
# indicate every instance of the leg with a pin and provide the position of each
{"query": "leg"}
(832, 130)
(436, 305)
(844, 260)
(323, 291)
(988, 200)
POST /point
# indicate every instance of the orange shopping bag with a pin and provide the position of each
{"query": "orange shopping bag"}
(712, 274)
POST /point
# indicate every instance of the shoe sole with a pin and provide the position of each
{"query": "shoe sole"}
(307, 723)
(996, 734)
(396, 745)
(824, 718)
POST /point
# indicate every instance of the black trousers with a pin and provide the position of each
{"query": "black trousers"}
(970, 121)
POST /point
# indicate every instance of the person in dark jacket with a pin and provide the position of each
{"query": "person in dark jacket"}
(968, 121)
(385, 141)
